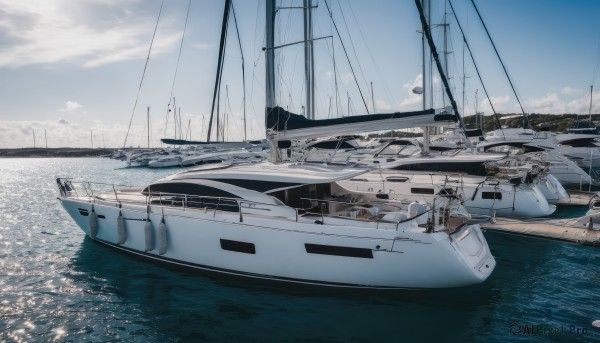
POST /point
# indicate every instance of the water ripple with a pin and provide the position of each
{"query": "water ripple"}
(57, 286)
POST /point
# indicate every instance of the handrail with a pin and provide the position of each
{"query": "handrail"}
(185, 200)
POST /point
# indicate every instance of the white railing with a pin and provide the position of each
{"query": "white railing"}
(69, 188)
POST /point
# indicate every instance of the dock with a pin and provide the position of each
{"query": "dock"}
(584, 230)
(579, 198)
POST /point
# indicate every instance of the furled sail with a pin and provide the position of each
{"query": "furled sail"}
(239, 144)
(282, 125)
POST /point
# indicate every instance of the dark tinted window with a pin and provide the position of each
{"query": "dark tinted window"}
(491, 195)
(247, 248)
(187, 188)
(421, 190)
(338, 251)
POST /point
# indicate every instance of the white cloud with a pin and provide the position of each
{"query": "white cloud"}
(411, 100)
(568, 90)
(417, 82)
(71, 106)
(552, 103)
(90, 32)
(382, 105)
(63, 133)
(498, 102)
(203, 46)
(347, 78)
(549, 103)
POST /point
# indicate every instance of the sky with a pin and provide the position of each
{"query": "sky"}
(70, 70)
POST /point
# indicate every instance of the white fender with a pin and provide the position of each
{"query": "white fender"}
(162, 237)
(121, 232)
(148, 234)
(93, 220)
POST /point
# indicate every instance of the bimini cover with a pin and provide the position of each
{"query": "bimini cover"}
(171, 141)
(269, 177)
(207, 188)
(282, 124)
(577, 140)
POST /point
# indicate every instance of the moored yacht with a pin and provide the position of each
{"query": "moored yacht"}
(467, 172)
(281, 221)
(481, 195)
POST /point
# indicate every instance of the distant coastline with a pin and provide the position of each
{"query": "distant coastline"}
(55, 152)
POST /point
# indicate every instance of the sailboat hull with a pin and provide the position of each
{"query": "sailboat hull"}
(335, 254)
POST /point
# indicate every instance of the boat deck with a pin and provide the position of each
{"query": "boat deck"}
(578, 198)
(573, 231)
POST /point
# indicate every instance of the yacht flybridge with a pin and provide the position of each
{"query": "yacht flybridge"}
(281, 221)
(290, 222)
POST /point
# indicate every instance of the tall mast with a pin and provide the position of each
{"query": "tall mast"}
(445, 26)
(148, 124)
(373, 97)
(180, 129)
(309, 60)
(591, 95)
(243, 70)
(226, 11)
(437, 60)
(270, 68)
(46, 138)
(174, 118)
(424, 51)
(33, 138)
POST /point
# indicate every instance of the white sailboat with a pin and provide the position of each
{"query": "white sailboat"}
(282, 221)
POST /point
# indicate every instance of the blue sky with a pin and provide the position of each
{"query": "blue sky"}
(73, 67)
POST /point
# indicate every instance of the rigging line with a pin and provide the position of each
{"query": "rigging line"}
(346, 27)
(500, 59)
(385, 85)
(178, 59)
(237, 30)
(258, 7)
(597, 66)
(347, 57)
(331, 52)
(352, 45)
(476, 68)
(226, 11)
(436, 57)
(338, 101)
(143, 73)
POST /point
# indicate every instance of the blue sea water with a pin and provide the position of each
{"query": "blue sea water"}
(57, 285)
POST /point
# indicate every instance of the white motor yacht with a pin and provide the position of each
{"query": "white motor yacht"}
(166, 162)
(481, 195)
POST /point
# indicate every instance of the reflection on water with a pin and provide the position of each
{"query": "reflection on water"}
(56, 285)
(210, 306)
